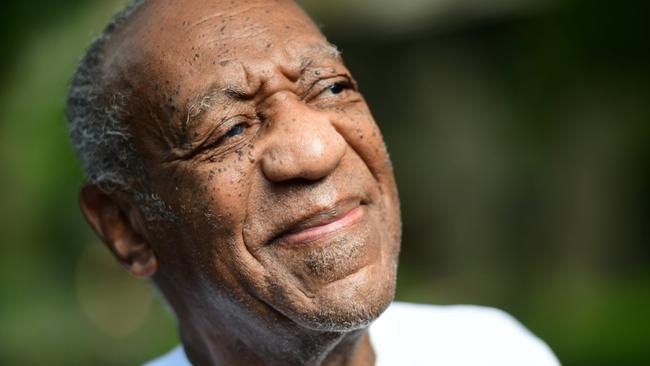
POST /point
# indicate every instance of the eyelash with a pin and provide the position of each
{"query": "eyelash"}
(237, 128)
(232, 133)
(336, 88)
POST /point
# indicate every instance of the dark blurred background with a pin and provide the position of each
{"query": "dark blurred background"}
(520, 134)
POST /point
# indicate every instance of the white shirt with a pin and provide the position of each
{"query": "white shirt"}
(421, 335)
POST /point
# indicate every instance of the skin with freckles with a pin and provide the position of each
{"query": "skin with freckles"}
(254, 134)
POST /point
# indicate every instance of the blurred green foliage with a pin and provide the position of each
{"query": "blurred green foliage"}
(520, 139)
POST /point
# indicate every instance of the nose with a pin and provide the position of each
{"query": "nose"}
(302, 142)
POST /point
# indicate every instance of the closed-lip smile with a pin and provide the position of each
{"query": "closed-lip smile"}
(323, 223)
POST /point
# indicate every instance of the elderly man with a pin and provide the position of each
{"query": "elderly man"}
(230, 158)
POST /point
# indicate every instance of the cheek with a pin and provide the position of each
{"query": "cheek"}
(212, 207)
(362, 134)
(210, 201)
(221, 195)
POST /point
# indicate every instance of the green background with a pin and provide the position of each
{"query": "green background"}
(520, 134)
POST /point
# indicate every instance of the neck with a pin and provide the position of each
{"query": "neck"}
(220, 347)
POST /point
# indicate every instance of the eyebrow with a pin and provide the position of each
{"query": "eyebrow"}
(216, 94)
(327, 49)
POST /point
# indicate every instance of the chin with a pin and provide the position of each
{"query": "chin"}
(341, 284)
(350, 304)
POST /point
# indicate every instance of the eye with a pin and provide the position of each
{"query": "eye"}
(232, 132)
(235, 130)
(328, 91)
(337, 88)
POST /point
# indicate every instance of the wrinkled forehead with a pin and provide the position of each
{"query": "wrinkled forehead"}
(166, 37)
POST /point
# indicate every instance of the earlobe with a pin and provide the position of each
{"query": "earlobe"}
(114, 222)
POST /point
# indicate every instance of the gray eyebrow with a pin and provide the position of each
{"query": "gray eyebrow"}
(324, 50)
(329, 50)
(214, 95)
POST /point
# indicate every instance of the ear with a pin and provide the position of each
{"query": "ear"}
(117, 222)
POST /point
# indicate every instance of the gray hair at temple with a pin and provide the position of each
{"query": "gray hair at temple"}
(98, 130)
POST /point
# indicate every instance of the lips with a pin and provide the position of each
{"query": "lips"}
(323, 223)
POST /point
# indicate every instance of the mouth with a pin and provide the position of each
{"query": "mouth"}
(323, 224)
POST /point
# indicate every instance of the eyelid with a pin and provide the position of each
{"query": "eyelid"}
(322, 85)
(218, 135)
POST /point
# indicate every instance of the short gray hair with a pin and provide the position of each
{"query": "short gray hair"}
(97, 125)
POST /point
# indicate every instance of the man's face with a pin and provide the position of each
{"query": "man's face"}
(254, 135)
